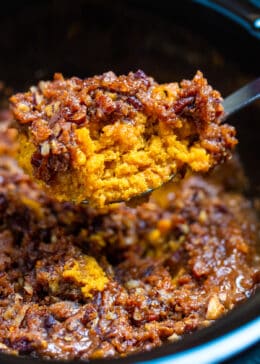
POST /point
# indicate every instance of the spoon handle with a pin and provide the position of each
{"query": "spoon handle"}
(242, 97)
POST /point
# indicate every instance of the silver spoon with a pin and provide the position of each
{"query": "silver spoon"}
(232, 103)
(241, 98)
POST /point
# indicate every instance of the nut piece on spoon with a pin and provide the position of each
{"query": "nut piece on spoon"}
(107, 138)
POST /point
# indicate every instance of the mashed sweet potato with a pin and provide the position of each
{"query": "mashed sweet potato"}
(107, 138)
(83, 283)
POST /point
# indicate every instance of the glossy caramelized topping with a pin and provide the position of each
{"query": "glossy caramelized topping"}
(81, 283)
(110, 138)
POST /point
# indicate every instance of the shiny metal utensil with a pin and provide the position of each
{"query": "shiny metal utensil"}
(241, 98)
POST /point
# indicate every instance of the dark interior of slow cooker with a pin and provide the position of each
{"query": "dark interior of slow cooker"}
(170, 42)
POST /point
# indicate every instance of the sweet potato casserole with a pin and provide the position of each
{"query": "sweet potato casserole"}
(77, 282)
(109, 138)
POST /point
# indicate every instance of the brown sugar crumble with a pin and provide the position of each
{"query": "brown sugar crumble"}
(109, 138)
(81, 283)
